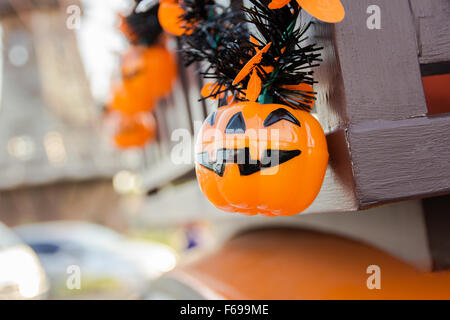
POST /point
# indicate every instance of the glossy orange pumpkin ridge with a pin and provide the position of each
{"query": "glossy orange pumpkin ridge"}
(283, 186)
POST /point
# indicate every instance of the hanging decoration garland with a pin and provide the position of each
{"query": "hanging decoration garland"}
(261, 152)
(177, 17)
(147, 72)
(148, 69)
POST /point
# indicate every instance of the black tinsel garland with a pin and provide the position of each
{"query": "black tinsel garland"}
(223, 40)
(144, 25)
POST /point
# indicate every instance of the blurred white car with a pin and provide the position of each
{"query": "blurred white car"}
(107, 264)
(21, 274)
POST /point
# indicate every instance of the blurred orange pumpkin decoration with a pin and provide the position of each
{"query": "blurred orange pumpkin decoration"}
(150, 69)
(129, 99)
(135, 131)
(147, 74)
(169, 15)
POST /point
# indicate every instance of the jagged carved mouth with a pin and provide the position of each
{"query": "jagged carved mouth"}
(269, 158)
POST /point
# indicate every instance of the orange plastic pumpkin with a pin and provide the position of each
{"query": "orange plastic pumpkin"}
(130, 99)
(264, 159)
(147, 74)
(326, 10)
(149, 69)
(135, 131)
(169, 15)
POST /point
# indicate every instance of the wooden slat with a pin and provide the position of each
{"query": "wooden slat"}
(338, 190)
(394, 160)
(377, 70)
(330, 104)
(195, 85)
(433, 30)
(397, 228)
(93, 200)
(370, 87)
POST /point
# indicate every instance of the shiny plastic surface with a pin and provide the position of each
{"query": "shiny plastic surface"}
(135, 130)
(147, 74)
(325, 10)
(273, 163)
(169, 13)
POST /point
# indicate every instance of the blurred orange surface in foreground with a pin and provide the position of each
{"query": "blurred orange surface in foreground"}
(298, 264)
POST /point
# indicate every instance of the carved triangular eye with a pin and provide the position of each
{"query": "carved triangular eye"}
(211, 119)
(236, 124)
(278, 115)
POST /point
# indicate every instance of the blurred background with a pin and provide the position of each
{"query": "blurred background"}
(71, 202)
(62, 178)
(83, 219)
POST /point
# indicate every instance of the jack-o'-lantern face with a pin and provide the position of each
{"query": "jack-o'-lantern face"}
(147, 74)
(268, 159)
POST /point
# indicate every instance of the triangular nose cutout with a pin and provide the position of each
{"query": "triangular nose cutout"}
(236, 124)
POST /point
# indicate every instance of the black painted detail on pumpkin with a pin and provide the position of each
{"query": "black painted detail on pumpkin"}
(236, 124)
(278, 115)
(211, 119)
(214, 166)
(224, 101)
(247, 166)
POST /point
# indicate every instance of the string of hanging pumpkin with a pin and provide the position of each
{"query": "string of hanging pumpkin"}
(269, 65)
(147, 68)
(147, 72)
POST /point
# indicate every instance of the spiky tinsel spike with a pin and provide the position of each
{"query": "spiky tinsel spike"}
(224, 41)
